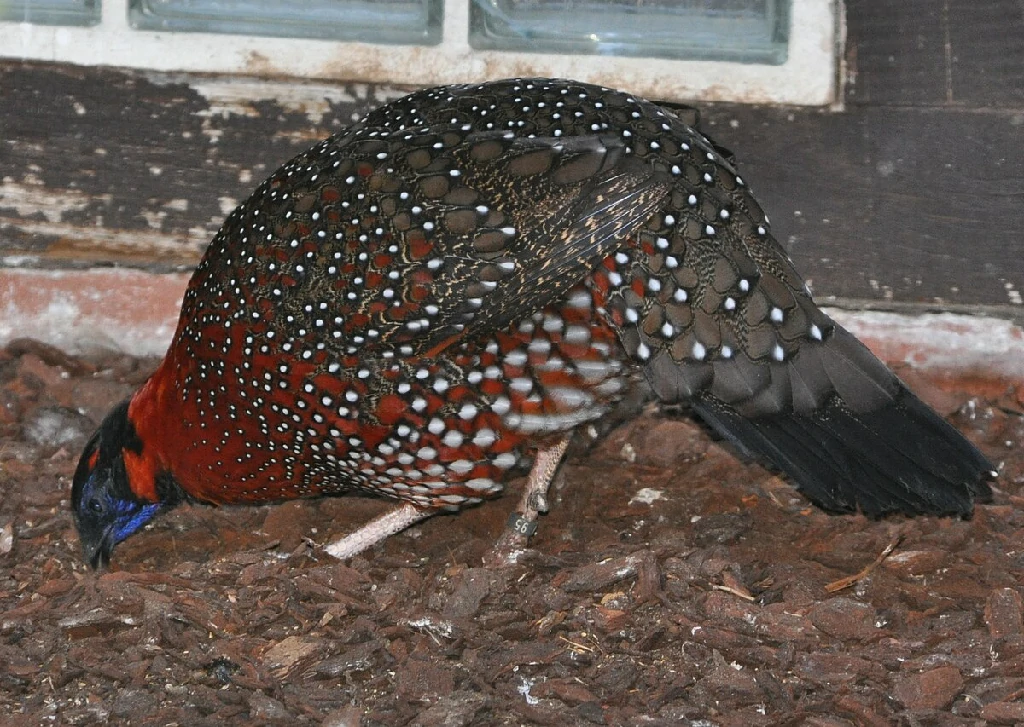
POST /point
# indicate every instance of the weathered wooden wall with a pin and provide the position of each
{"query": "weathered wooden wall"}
(101, 165)
(913, 195)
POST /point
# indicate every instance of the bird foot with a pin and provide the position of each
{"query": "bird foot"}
(504, 553)
(376, 531)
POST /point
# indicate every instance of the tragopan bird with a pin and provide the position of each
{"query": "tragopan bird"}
(468, 275)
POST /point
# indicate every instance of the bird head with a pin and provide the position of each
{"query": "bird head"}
(106, 502)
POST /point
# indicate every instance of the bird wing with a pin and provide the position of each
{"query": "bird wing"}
(564, 204)
(434, 234)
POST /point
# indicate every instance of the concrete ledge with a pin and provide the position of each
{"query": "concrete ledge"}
(136, 312)
(85, 310)
(982, 346)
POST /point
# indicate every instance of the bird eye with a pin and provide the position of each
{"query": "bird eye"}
(95, 505)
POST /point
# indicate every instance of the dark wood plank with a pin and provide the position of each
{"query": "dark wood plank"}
(895, 52)
(987, 50)
(901, 204)
(936, 53)
(132, 167)
(879, 204)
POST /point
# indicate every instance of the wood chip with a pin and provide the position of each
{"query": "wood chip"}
(844, 583)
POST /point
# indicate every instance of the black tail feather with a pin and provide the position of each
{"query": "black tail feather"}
(900, 457)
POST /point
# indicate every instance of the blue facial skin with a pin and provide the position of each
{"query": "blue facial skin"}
(105, 507)
(130, 517)
(106, 512)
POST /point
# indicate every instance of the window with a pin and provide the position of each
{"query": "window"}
(382, 21)
(749, 31)
(51, 12)
(781, 51)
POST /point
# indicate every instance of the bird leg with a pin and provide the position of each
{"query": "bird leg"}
(522, 523)
(377, 530)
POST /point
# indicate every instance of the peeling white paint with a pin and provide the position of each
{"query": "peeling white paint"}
(17, 261)
(239, 97)
(148, 245)
(227, 205)
(153, 218)
(33, 198)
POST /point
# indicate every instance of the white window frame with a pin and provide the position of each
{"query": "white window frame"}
(810, 76)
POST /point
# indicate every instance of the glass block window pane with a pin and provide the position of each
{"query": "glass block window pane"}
(371, 21)
(51, 12)
(750, 31)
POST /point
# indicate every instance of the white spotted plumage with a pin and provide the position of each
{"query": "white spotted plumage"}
(396, 311)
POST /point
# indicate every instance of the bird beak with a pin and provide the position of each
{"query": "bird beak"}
(97, 552)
